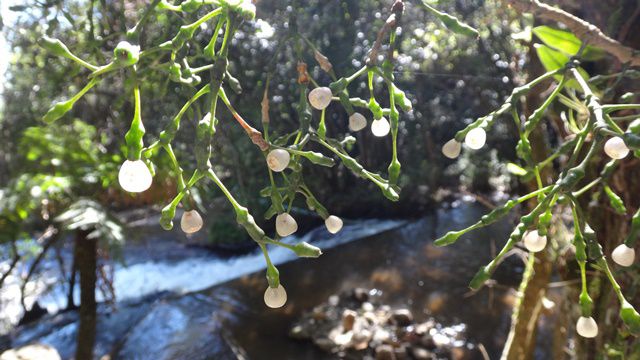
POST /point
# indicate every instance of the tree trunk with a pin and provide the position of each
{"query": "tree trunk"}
(524, 320)
(521, 341)
(71, 304)
(86, 262)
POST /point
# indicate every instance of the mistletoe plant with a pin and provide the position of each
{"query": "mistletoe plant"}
(285, 154)
(592, 125)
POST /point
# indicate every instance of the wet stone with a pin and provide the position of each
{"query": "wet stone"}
(402, 317)
(385, 352)
(348, 319)
(375, 330)
(360, 294)
(421, 354)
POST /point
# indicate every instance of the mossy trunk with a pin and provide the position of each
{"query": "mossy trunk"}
(86, 250)
(522, 336)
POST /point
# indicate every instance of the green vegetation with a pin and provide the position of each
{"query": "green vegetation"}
(271, 113)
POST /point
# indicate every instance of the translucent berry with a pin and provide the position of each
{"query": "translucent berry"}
(451, 149)
(476, 138)
(134, 176)
(357, 122)
(278, 159)
(320, 97)
(286, 224)
(126, 53)
(275, 297)
(191, 221)
(615, 148)
(333, 224)
(587, 327)
(380, 127)
(623, 255)
(534, 242)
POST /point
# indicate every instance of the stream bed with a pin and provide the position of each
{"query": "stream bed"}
(211, 307)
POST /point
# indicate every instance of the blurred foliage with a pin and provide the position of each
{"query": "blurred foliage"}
(445, 71)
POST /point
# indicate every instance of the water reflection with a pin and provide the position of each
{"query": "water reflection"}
(231, 320)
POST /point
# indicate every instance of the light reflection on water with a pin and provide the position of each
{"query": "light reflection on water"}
(213, 323)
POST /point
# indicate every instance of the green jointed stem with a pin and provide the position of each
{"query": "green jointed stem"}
(634, 232)
(394, 116)
(617, 107)
(58, 48)
(536, 116)
(486, 121)
(490, 218)
(133, 137)
(59, 109)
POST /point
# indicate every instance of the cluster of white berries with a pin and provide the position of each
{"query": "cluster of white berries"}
(191, 221)
(380, 127)
(615, 148)
(534, 242)
(320, 97)
(278, 159)
(275, 297)
(134, 176)
(623, 255)
(475, 139)
(287, 225)
(587, 327)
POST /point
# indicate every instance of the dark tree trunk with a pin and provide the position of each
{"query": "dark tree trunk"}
(72, 280)
(533, 288)
(86, 250)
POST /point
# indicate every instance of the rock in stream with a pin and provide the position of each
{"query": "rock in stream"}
(355, 325)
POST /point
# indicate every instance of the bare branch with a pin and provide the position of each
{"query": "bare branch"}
(584, 30)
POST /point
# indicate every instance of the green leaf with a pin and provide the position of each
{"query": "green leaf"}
(451, 22)
(516, 169)
(566, 42)
(558, 39)
(550, 59)
(554, 60)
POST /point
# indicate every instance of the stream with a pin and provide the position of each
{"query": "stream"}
(192, 304)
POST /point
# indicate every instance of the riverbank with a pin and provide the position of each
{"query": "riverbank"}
(192, 320)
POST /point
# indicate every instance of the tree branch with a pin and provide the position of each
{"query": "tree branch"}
(586, 31)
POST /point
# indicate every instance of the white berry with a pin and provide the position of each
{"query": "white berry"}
(534, 242)
(275, 297)
(320, 97)
(134, 176)
(191, 221)
(587, 327)
(623, 255)
(278, 159)
(451, 149)
(615, 148)
(333, 224)
(286, 224)
(357, 122)
(380, 127)
(476, 138)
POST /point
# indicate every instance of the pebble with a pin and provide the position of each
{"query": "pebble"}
(402, 317)
(385, 352)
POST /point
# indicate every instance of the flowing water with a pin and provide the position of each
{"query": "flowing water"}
(213, 308)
